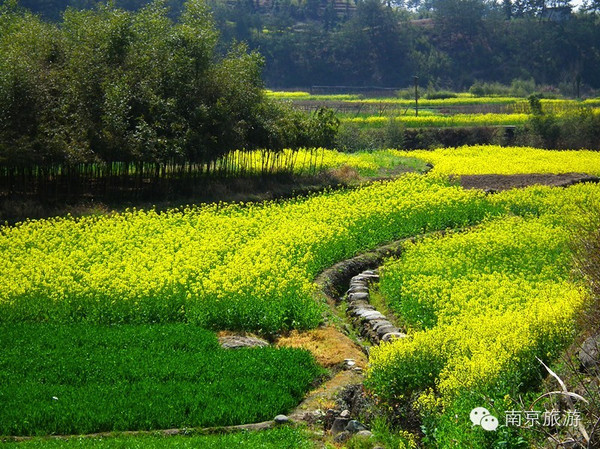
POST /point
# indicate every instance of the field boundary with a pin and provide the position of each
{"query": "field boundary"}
(185, 431)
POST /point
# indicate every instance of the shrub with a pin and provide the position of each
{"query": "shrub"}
(440, 95)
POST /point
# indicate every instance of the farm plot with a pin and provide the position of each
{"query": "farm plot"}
(246, 267)
(492, 159)
(481, 306)
(111, 291)
(83, 378)
(349, 105)
(439, 121)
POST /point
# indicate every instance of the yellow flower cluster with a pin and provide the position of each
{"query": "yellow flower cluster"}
(300, 95)
(307, 161)
(224, 266)
(440, 121)
(461, 99)
(487, 159)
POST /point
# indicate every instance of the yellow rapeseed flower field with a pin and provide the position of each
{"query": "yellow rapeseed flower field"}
(493, 159)
(480, 306)
(223, 266)
(309, 161)
(438, 121)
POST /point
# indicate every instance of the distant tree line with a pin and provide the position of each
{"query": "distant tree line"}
(109, 92)
(448, 43)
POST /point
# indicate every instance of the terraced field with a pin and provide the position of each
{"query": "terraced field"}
(461, 110)
(125, 305)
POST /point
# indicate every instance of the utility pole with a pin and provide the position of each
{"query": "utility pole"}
(416, 78)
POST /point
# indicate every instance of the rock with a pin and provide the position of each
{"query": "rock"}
(313, 417)
(376, 324)
(386, 330)
(358, 283)
(393, 336)
(369, 277)
(355, 426)
(342, 437)
(357, 311)
(358, 289)
(589, 354)
(352, 397)
(339, 425)
(349, 363)
(281, 419)
(358, 278)
(370, 314)
(360, 305)
(345, 414)
(358, 297)
(329, 418)
(364, 434)
(240, 341)
(376, 319)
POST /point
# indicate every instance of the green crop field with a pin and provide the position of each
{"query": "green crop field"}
(77, 379)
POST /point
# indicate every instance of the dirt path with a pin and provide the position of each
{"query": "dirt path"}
(505, 182)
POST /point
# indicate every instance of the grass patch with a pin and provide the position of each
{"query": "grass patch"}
(71, 379)
(329, 346)
(381, 303)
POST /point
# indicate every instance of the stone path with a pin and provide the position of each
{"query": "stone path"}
(371, 323)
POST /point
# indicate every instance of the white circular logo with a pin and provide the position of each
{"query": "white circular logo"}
(489, 423)
(478, 413)
(481, 416)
